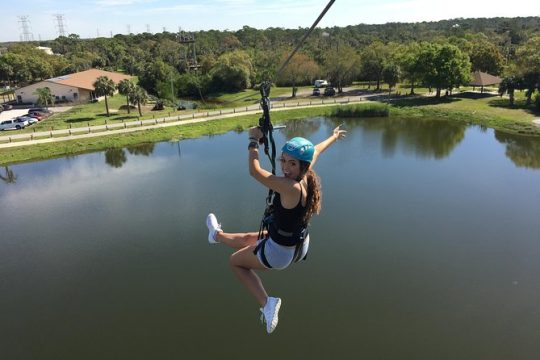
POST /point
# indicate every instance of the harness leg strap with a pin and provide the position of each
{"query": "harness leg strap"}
(260, 248)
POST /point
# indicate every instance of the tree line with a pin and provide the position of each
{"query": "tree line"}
(440, 55)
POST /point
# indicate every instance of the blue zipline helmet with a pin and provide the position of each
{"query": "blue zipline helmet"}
(299, 148)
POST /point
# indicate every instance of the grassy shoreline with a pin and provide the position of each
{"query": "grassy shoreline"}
(516, 121)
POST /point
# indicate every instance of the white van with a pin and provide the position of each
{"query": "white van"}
(320, 83)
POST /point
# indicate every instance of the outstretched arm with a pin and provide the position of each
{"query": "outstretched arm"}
(277, 183)
(323, 145)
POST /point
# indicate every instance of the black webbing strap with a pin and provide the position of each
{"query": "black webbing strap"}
(267, 128)
(300, 246)
(260, 248)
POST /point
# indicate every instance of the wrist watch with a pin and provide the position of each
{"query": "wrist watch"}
(253, 145)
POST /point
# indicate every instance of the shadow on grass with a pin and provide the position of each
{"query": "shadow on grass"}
(520, 104)
(127, 117)
(78, 120)
(421, 101)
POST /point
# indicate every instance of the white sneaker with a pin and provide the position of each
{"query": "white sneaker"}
(213, 228)
(270, 312)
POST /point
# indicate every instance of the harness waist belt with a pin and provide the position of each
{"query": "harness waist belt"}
(286, 238)
(284, 233)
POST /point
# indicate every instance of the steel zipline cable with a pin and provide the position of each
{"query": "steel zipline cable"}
(264, 121)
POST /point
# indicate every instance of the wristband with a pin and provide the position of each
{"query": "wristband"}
(253, 145)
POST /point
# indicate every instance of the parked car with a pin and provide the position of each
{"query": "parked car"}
(6, 107)
(13, 124)
(39, 113)
(320, 83)
(29, 119)
(41, 110)
(316, 92)
(329, 91)
(36, 115)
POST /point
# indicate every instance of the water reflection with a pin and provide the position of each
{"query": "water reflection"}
(523, 151)
(117, 157)
(142, 149)
(304, 128)
(421, 136)
(9, 177)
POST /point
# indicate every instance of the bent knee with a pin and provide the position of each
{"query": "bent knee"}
(234, 259)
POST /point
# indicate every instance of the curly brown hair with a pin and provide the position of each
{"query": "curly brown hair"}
(314, 194)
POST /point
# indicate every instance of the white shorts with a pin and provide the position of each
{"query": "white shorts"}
(278, 256)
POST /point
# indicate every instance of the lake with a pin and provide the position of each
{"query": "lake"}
(427, 247)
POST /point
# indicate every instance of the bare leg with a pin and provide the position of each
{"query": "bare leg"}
(237, 240)
(243, 262)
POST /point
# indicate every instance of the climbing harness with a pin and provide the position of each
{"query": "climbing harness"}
(265, 124)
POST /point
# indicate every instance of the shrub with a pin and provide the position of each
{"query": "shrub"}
(362, 110)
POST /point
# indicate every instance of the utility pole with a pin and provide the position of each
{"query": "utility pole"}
(172, 89)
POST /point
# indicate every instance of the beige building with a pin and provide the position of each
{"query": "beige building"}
(77, 87)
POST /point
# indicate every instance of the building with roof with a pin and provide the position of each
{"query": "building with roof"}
(484, 79)
(46, 50)
(76, 87)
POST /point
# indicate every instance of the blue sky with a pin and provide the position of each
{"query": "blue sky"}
(88, 18)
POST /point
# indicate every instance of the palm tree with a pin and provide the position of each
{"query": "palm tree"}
(508, 85)
(104, 86)
(126, 87)
(44, 96)
(139, 96)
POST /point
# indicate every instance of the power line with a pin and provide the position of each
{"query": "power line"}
(26, 34)
(60, 25)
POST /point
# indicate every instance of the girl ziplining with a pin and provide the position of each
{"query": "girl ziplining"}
(297, 198)
(292, 200)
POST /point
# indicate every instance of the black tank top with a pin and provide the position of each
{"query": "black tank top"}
(287, 225)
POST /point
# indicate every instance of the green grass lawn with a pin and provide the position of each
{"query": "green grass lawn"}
(483, 109)
(92, 114)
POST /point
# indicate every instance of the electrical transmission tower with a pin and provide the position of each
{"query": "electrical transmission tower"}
(60, 25)
(191, 53)
(26, 34)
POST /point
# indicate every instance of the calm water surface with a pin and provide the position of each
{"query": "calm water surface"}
(427, 248)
